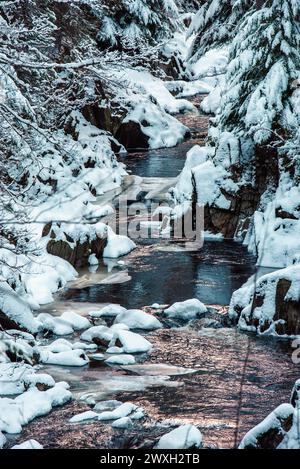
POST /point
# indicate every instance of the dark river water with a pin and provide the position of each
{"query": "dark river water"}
(162, 273)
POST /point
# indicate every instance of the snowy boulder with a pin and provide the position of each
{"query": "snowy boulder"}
(117, 245)
(120, 360)
(74, 243)
(100, 335)
(83, 346)
(121, 411)
(84, 416)
(76, 321)
(59, 345)
(29, 444)
(133, 343)
(272, 306)
(15, 378)
(14, 349)
(68, 358)
(211, 103)
(186, 310)
(111, 310)
(138, 319)
(149, 126)
(184, 437)
(115, 350)
(15, 313)
(107, 405)
(122, 423)
(54, 324)
(273, 432)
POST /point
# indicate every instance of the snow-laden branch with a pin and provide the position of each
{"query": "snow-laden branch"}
(50, 65)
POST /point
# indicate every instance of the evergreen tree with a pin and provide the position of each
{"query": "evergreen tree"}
(129, 24)
(216, 24)
(264, 64)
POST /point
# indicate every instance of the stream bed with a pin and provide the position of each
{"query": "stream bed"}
(196, 373)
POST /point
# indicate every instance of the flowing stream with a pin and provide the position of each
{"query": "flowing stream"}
(195, 373)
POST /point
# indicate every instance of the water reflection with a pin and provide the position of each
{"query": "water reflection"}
(156, 275)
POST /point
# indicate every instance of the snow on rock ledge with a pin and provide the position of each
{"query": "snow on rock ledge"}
(272, 306)
(15, 413)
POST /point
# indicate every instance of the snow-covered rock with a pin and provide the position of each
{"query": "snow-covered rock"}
(138, 319)
(110, 310)
(188, 309)
(123, 410)
(122, 423)
(84, 416)
(15, 378)
(55, 324)
(271, 304)
(120, 360)
(117, 245)
(115, 350)
(184, 437)
(274, 431)
(29, 444)
(68, 358)
(76, 321)
(132, 342)
(16, 310)
(107, 405)
(97, 333)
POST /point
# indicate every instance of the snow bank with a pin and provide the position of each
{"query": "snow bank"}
(211, 103)
(15, 413)
(138, 319)
(184, 437)
(149, 103)
(275, 236)
(46, 275)
(200, 173)
(156, 89)
(188, 309)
